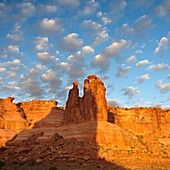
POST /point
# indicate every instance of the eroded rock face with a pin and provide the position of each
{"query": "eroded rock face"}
(15, 117)
(141, 121)
(91, 107)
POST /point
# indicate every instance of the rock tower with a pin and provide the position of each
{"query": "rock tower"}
(91, 107)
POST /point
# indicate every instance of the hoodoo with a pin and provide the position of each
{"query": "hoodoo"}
(91, 107)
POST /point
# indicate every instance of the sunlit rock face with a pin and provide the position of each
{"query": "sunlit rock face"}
(141, 121)
(11, 116)
(91, 107)
(15, 117)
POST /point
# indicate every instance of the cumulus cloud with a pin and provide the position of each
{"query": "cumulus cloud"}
(30, 83)
(46, 58)
(122, 71)
(132, 59)
(164, 88)
(16, 34)
(114, 102)
(168, 77)
(142, 63)
(159, 67)
(101, 38)
(24, 11)
(167, 107)
(103, 18)
(161, 45)
(2, 69)
(94, 27)
(41, 43)
(158, 105)
(70, 43)
(49, 26)
(140, 29)
(11, 63)
(102, 60)
(130, 91)
(141, 79)
(89, 8)
(54, 82)
(80, 55)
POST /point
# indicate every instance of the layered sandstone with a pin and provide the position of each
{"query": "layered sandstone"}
(15, 117)
(91, 107)
(141, 121)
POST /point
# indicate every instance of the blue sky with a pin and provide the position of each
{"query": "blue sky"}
(46, 45)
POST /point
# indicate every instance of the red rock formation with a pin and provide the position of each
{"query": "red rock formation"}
(141, 121)
(92, 106)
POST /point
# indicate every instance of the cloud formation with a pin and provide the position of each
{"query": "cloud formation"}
(130, 91)
(141, 79)
(70, 43)
(142, 63)
(164, 88)
(122, 71)
(159, 67)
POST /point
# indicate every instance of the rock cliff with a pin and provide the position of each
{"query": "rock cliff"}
(15, 117)
(141, 121)
(91, 107)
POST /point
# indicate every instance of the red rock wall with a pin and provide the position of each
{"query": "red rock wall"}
(141, 121)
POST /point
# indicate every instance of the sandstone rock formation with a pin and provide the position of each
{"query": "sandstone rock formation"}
(92, 106)
(15, 117)
(141, 121)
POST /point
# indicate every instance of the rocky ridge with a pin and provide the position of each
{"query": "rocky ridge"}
(136, 138)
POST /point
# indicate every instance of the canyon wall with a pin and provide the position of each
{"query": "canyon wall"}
(141, 121)
(15, 117)
(91, 107)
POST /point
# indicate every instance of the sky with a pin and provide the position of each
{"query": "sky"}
(46, 45)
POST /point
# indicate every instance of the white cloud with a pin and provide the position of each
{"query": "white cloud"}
(89, 24)
(114, 102)
(101, 37)
(80, 55)
(164, 88)
(103, 18)
(132, 59)
(161, 45)
(140, 29)
(50, 26)
(148, 103)
(167, 107)
(142, 63)
(41, 43)
(130, 91)
(45, 57)
(2, 69)
(17, 34)
(51, 77)
(102, 60)
(159, 67)
(11, 63)
(70, 43)
(142, 78)
(24, 11)
(158, 105)
(122, 71)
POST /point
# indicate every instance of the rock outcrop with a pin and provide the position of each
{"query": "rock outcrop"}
(91, 107)
(141, 121)
(15, 117)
